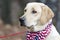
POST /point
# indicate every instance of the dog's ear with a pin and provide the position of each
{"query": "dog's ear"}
(46, 14)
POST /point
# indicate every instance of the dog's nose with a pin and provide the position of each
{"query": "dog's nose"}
(22, 21)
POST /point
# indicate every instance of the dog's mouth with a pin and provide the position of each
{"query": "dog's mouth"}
(22, 24)
(28, 27)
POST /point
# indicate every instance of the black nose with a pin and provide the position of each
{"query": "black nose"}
(21, 21)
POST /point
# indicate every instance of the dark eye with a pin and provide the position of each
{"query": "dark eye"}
(34, 11)
(25, 10)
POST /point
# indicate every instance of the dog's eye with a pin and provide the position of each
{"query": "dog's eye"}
(25, 10)
(34, 11)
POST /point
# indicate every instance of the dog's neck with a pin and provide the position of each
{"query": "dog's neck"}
(41, 27)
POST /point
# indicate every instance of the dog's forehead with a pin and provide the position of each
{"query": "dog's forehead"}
(34, 4)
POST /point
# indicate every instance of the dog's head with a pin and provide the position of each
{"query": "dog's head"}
(35, 13)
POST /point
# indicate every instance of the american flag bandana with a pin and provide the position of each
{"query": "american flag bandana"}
(40, 35)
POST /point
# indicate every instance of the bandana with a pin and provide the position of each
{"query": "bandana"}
(40, 35)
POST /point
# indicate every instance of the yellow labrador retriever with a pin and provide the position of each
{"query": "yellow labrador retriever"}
(38, 19)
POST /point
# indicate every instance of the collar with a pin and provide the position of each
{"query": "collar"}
(40, 35)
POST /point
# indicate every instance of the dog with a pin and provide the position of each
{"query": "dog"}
(38, 19)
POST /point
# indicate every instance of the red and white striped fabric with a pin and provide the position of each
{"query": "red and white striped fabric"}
(40, 35)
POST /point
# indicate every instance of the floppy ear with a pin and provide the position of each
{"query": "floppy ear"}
(46, 14)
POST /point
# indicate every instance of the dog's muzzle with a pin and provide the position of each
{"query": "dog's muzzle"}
(22, 21)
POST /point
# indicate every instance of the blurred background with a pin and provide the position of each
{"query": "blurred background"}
(11, 10)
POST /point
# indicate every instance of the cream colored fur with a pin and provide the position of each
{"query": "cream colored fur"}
(39, 20)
